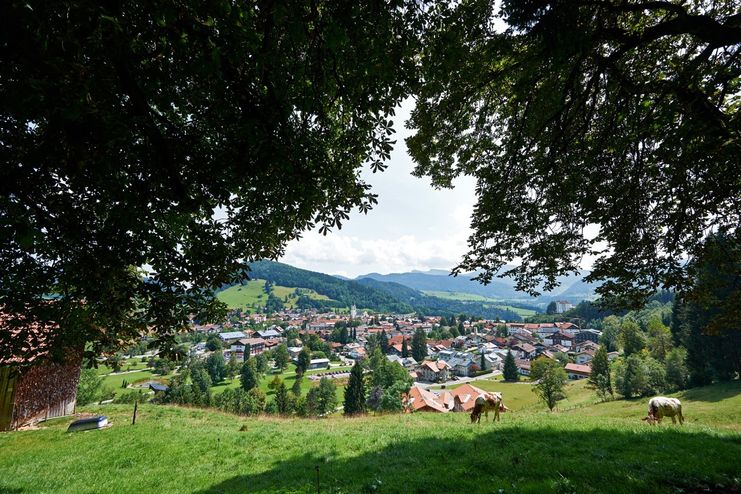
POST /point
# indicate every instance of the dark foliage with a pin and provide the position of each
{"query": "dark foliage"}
(615, 114)
(126, 125)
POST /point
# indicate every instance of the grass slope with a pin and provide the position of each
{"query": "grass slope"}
(472, 297)
(185, 450)
(251, 295)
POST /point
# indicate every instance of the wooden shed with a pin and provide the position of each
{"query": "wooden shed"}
(34, 386)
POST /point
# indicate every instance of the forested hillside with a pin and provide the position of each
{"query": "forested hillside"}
(368, 293)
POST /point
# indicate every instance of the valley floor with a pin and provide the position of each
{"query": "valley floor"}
(594, 448)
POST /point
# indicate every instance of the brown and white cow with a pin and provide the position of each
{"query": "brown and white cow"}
(660, 407)
(486, 402)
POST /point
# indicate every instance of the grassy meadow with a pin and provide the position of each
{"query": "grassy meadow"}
(597, 448)
(252, 295)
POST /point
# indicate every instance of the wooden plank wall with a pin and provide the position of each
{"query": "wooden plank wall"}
(7, 395)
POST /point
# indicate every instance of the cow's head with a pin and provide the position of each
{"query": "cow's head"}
(650, 419)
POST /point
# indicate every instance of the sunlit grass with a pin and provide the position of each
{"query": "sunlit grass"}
(600, 448)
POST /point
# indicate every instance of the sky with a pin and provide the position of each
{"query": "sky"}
(413, 226)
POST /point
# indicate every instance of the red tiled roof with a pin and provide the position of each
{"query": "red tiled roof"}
(578, 369)
(421, 399)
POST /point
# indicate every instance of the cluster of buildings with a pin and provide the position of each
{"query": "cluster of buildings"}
(482, 348)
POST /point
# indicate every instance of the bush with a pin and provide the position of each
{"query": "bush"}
(131, 397)
(89, 387)
(639, 375)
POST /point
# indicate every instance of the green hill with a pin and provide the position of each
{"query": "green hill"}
(365, 293)
(251, 295)
(592, 449)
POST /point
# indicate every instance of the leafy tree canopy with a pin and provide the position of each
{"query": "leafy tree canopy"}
(182, 137)
(621, 114)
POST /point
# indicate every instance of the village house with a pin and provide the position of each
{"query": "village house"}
(267, 334)
(460, 363)
(576, 371)
(433, 371)
(231, 337)
(584, 357)
(559, 338)
(406, 362)
(422, 400)
(460, 399)
(257, 345)
(492, 361)
(523, 367)
(587, 335)
(525, 350)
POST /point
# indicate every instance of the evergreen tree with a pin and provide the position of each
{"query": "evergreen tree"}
(483, 361)
(600, 376)
(551, 309)
(631, 376)
(383, 342)
(708, 318)
(404, 348)
(452, 322)
(355, 392)
(282, 399)
(461, 328)
(304, 360)
(419, 345)
(248, 375)
(510, 372)
(296, 388)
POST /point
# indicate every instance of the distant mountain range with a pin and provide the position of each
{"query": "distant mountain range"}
(373, 294)
(572, 288)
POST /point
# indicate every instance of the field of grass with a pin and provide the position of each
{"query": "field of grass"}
(129, 364)
(594, 449)
(252, 295)
(472, 297)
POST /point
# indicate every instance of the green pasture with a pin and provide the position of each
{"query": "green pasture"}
(594, 448)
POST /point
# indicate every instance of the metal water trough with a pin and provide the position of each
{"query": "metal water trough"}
(88, 424)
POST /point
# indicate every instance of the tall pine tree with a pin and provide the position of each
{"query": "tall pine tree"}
(355, 392)
(383, 342)
(510, 368)
(248, 376)
(419, 345)
(404, 348)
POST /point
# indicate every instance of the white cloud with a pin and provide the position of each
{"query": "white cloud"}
(352, 255)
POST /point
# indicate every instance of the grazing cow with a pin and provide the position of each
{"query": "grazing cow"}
(484, 403)
(660, 407)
